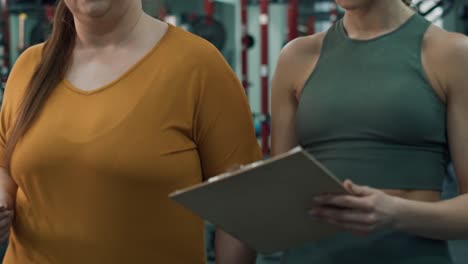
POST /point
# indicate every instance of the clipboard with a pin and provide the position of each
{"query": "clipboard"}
(265, 204)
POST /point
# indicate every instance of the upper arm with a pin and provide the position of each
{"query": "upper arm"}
(223, 123)
(295, 64)
(18, 81)
(456, 64)
(6, 182)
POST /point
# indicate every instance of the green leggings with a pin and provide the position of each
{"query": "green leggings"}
(382, 248)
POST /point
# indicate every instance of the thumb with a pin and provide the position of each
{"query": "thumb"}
(357, 189)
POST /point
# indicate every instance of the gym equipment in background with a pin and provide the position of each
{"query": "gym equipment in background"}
(311, 17)
(4, 46)
(209, 29)
(434, 9)
(264, 75)
(259, 119)
(206, 26)
(44, 25)
(22, 32)
(463, 14)
(245, 46)
(248, 41)
(324, 14)
(293, 16)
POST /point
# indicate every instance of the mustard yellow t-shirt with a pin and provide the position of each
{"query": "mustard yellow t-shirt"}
(95, 169)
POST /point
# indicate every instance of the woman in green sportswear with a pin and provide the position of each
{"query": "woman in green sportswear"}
(381, 99)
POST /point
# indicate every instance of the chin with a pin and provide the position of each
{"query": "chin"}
(353, 4)
(96, 8)
(91, 8)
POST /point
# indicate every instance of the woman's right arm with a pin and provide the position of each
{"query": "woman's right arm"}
(296, 62)
(283, 106)
(17, 82)
(8, 187)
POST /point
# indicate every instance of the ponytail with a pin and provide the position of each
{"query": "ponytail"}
(51, 70)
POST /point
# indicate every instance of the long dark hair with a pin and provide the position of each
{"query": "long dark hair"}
(51, 70)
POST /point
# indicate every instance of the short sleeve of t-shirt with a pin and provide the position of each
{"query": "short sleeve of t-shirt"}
(223, 127)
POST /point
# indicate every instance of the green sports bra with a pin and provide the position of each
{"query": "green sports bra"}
(369, 114)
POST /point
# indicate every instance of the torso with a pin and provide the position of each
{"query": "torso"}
(109, 166)
(306, 58)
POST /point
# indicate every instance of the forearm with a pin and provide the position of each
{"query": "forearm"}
(229, 250)
(445, 220)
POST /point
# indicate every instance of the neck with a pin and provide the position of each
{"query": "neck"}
(105, 31)
(377, 18)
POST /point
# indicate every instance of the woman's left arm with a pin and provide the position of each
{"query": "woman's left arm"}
(370, 210)
(225, 137)
(447, 219)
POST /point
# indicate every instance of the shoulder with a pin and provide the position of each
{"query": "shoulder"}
(303, 48)
(193, 50)
(297, 60)
(448, 54)
(444, 44)
(22, 71)
(198, 61)
(25, 65)
(30, 57)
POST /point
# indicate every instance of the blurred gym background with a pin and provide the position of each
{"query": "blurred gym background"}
(249, 33)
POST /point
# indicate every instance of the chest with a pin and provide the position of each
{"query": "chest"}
(369, 99)
(136, 131)
(93, 70)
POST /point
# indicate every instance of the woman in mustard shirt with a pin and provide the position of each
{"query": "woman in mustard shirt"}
(116, 111)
